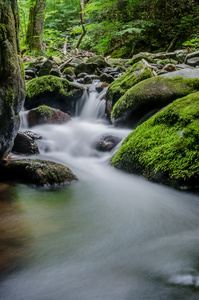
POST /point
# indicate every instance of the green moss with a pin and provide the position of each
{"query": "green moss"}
(138, 58)
(166, 147)
(154, 93)
(10, 98)
(3, 34)
(69, 71)
(132, 76)
(45, 111)
(47, 84)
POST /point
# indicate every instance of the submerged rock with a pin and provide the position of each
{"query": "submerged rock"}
(165, 148)
(54, 92)
(46, 115)
(150, 95)
(36, 172)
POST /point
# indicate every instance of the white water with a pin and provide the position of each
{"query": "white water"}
(111, 236)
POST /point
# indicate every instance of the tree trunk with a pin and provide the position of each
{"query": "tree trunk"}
(36, 25)
(12, 83)
(82, 4)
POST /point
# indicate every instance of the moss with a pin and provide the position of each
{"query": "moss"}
(68, 71)
(45, 111)
(132, 76)
(10, 98)
(3, 34)
(166, 147)
(154, 93)
(47, 84)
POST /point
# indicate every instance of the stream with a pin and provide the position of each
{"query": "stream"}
(110, 236)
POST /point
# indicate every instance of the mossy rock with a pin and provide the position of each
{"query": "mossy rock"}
(166, 147)
(54, 92)
(150, 95)
(36, 172)
(89, 68)
(138, 57)
(69, 71)
(133, 75)
(46, 115)
(99, 60)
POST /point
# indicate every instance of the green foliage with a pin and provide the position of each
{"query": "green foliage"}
(193, 43)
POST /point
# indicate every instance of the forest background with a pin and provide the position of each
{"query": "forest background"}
(119, 28)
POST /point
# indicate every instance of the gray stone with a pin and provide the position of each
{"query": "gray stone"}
(186, 73)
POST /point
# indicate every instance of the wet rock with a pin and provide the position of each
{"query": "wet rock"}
(46, 115)
(36, 172)
(107, 143)
(99, 60)
(82, 75)
(100, 86)
(106, 78)
(193, 61)
(87, 79)
(192, 55)
(30, 72)
(183, 66)
(24, 144)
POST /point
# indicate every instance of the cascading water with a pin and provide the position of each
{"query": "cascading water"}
(111, 236)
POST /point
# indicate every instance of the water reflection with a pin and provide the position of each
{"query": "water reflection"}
(13, 231)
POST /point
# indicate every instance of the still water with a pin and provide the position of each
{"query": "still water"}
(110, 236)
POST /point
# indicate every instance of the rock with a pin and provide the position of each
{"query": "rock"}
(192, 55)
(82, 75)
(24, 144)
(99, 60)
(56, 59)
(166, 61)
(118, 88)
(170, 68)
(150, 95)
(87, 79)
(68, 71)
(46, 115)
(100, 86)
(193, 61)
(90, 68)
(165, 148)
(106, 78)
(186, 73)
(36, 172)
(180, 55)
(45, 68)
(12, 91)
(55, 72)
(54, 92)
(30, 72)
(107, 143)
(138, 57)
(183, 66)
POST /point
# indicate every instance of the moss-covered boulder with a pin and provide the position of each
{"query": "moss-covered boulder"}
(166, 147)
(46, 115)
(54, 92)
(36, 172)
(150, 95)
(99, 60)
(89, 68)
(133, 75)
(69, 71)
(12, 76)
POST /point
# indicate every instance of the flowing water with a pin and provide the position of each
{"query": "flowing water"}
(110, 236)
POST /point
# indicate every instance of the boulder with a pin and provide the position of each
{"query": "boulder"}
(99, 60)
(46, 115)
(24, 144)
(150, 95)
(68, 71)
(89, 68)
(165, 148)
(194, 62)
(191, 55)
(36, 172)
(54, 92)
(55, 72)
(106, 78)
(118, 88)
(87, 79)
(45, 68)
(185, 73)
